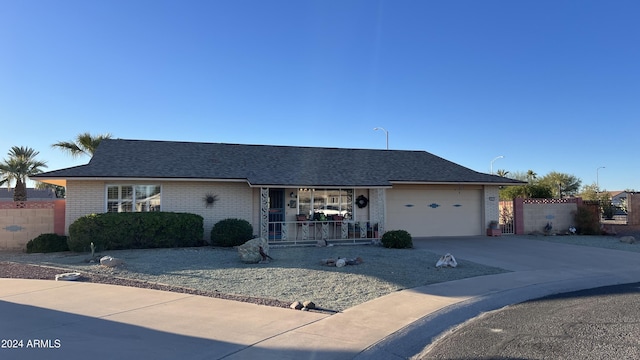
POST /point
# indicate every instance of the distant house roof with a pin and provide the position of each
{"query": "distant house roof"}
(266, 165)
(32, 194)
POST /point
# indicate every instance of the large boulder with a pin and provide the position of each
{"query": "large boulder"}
(250, 251)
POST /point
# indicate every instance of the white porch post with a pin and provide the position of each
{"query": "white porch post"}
(264, 213)
(378, 206)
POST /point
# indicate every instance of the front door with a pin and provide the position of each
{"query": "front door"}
(276, 213)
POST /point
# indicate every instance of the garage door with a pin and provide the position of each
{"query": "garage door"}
(435, 212)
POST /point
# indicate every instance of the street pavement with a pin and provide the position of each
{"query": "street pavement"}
(67, 320)
(601, 323)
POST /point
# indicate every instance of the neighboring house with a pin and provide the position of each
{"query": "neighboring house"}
(32, 194)
(278, 189)
(619, 200)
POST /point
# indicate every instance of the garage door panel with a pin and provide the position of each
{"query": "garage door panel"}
(435, 212)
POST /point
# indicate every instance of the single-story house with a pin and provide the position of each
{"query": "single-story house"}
(290, 194)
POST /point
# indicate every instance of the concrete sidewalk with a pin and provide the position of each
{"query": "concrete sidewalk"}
(85, 320)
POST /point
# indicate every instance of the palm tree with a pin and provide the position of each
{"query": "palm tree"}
(531, 175)
(20, 164)
(502, 173)
(85, 144)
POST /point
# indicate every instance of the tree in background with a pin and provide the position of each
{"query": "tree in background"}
(589, 192)
(19, 166)
(60, 191)
(543, 188)
(85, 144)
(561, 184)
(502, 173)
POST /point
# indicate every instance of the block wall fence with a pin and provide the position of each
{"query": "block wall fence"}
(21, 221)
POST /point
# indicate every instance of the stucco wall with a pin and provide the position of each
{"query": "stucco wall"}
(23, 221)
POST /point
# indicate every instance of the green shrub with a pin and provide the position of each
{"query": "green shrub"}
(587, 220)
(397, 239)
(46, 243)
(231, 232)
(142, 230)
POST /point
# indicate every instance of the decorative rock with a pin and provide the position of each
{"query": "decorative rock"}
(305, 309)
(356, 261)
(628, 239)
(68, 276)
(296, 305)
(328, 262)
(309, 304)
(447, 261)
(341, 262)
(250, 251)
(109, 261)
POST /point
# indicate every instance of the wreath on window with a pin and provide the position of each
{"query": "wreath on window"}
(362, 201)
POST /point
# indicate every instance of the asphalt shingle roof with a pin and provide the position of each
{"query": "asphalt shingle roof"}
(266, 165)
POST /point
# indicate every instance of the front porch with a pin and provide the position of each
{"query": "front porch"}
(331, 231)
(306, 216)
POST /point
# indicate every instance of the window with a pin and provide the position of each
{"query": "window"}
(133, 198)
(326, 201)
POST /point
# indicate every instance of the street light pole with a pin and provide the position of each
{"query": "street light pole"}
(496, 158)
(386, 133)
(598, 178)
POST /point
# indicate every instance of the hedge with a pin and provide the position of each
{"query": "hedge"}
(46, 243)
(140, 230)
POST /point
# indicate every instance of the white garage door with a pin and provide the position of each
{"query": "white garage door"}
(435, 212)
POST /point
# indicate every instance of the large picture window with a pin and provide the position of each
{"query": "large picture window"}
(133, 198)
(326, 201)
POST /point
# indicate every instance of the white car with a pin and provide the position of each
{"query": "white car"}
(330, 210)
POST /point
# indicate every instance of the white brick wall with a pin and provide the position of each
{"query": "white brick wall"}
(235, 200)
(83, 198)
(491, 204)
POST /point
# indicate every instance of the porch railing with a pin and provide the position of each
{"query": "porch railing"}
(309, 232)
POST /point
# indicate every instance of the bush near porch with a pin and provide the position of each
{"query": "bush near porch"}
(231, 232)
(397, 239)
(117, 231)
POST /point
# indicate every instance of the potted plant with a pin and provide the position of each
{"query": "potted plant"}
(494, 228)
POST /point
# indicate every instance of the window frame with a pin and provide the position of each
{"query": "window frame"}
(132, 204)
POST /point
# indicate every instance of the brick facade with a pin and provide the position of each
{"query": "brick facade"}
(491, 204)
(234, 200)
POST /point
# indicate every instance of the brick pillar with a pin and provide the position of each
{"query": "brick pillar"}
(633, 209)
(518, 216)
(59, 207)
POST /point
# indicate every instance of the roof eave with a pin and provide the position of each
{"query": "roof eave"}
(458, 183)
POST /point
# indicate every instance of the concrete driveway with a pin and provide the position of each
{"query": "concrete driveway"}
(539, 268)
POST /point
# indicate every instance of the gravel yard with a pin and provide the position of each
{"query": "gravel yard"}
(295, 274)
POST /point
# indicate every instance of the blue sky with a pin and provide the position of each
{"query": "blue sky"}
(550, 85)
